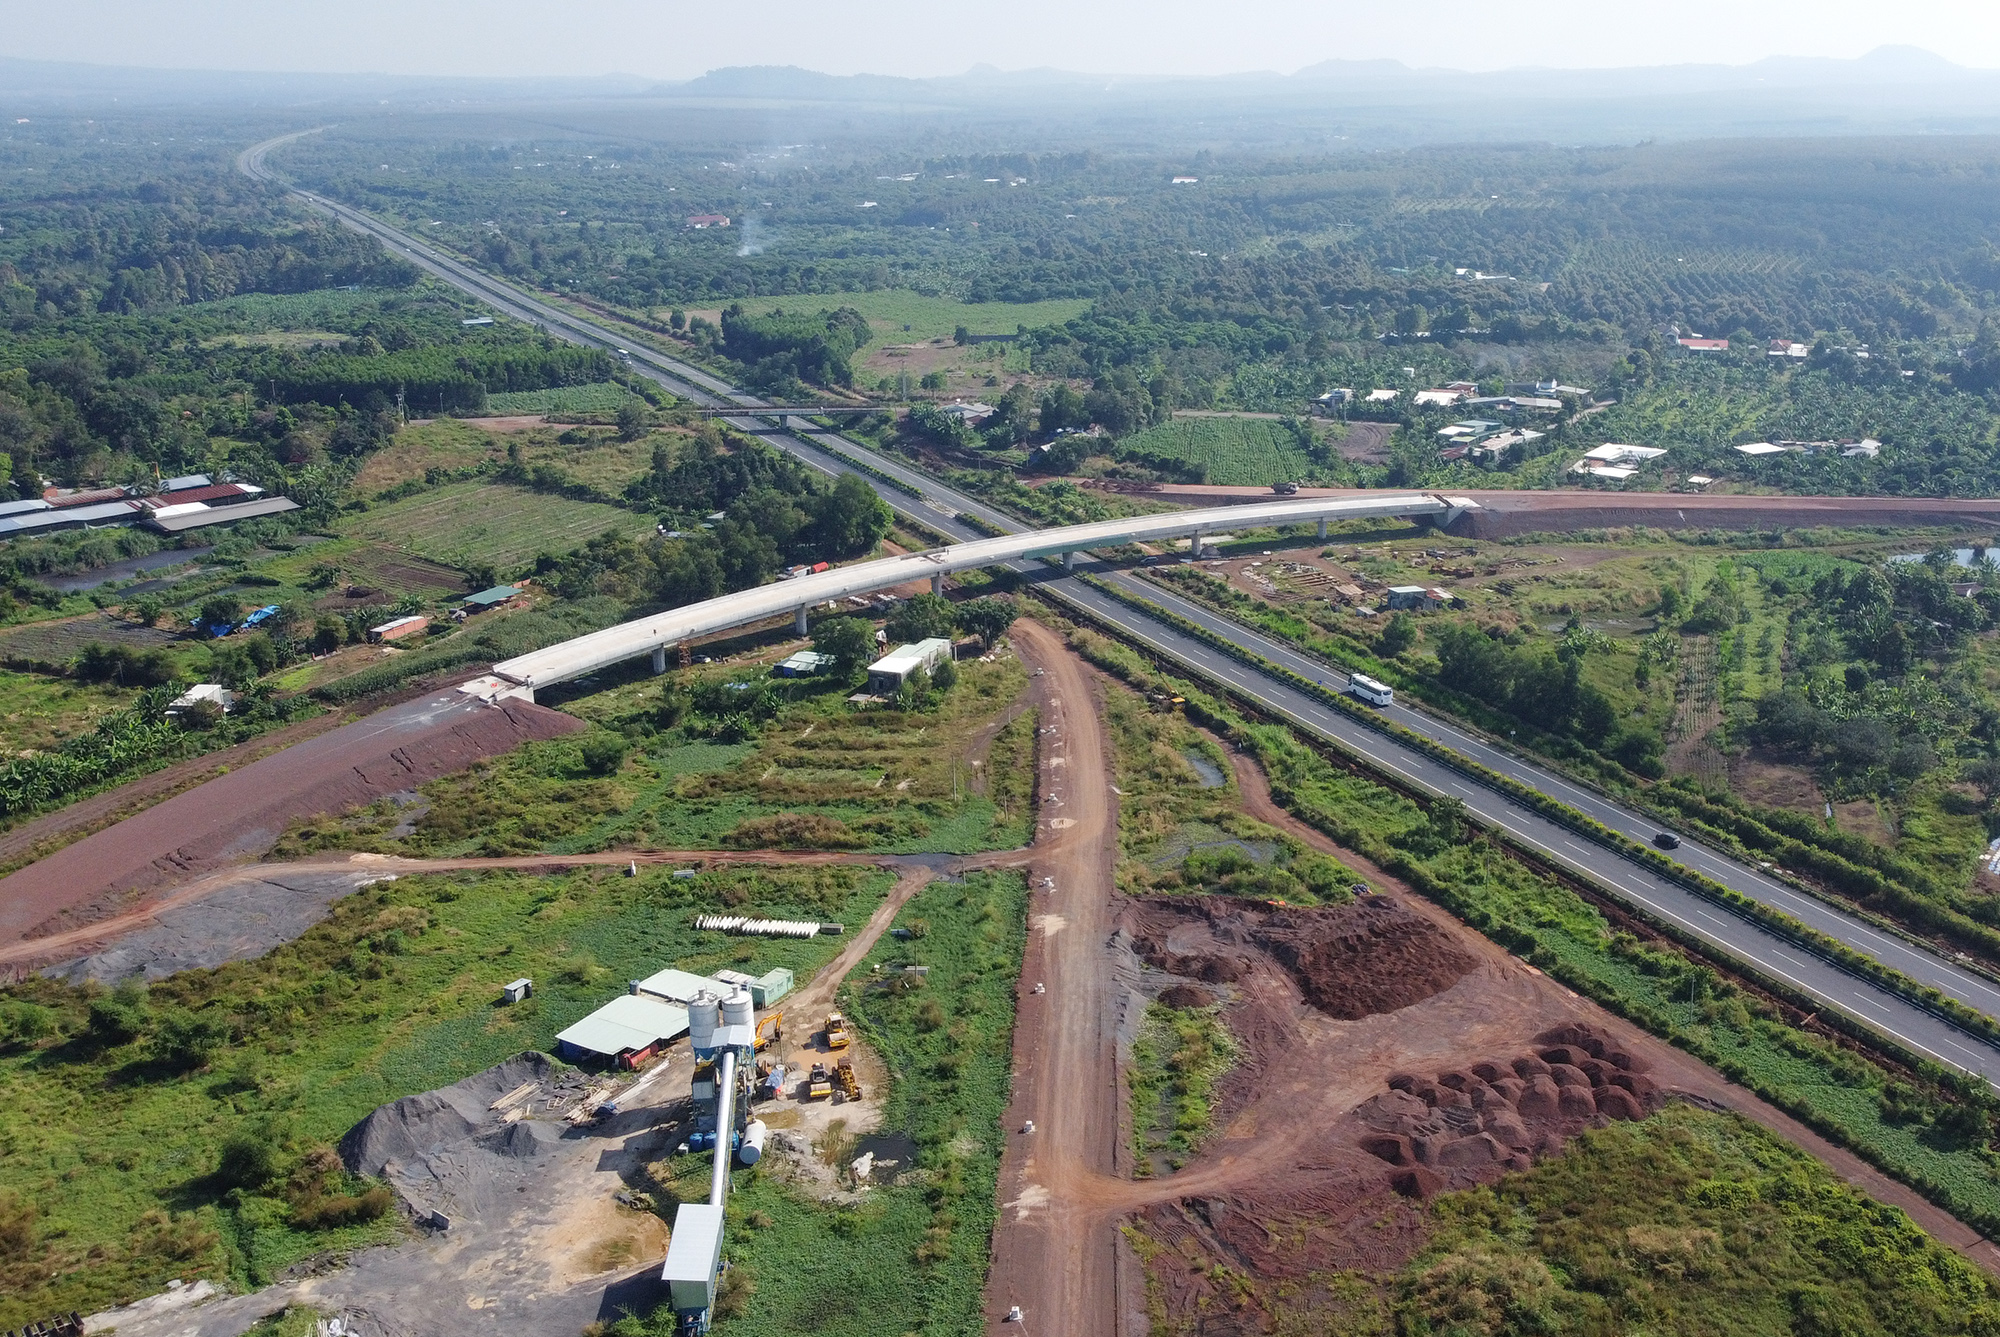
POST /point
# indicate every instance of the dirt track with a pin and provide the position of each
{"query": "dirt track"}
(239, 815)
(1054, 1253)
(1505, 513)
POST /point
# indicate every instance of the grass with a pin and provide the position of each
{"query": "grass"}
(467, 524)
(597, 397)
(910, 1257)
(1236, 452)
(394, 993)
(889, 310)
(1686, 1224)
(1178, 1057)
(37, 713)
(447, 448)
(820, 774)
(1178, 834)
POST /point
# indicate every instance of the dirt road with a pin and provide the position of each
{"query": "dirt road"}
(1054, 1250)
(239, 815)
(1504, 513)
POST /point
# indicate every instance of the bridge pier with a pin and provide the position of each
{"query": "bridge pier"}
(1195, 546)
(659, 659)
(1322, 526)
(799, 622)
(937, 585)
(1069, 560)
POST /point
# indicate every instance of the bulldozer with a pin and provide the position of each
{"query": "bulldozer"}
(836, 1031)
(850, 1086)
(818, 1085)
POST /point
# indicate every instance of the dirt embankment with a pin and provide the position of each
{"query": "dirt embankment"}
(1502, 514)
(240, 815)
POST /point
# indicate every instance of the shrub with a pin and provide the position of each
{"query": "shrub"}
(604, 753)
(247, 1161)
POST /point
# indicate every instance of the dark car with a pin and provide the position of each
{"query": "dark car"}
(1667, 840)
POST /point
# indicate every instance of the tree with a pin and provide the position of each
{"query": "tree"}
(988, 619)
(849, 641)
(946, 676)
(915, 693)
(219, 612)
(119, 1017)
(632, 421)
(1399, 635)
(689, 571)
(1063, 407)
(848, 519)
(921, 618)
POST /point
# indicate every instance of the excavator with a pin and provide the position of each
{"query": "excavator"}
(770, 1030)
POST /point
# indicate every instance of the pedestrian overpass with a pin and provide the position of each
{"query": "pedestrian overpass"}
(654, 635)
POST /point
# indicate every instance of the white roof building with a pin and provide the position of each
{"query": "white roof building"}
(628, 1023)
(1382, 396)
(1612, 452)
(1761, 448)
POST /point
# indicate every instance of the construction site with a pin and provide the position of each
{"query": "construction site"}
(1381, 1053)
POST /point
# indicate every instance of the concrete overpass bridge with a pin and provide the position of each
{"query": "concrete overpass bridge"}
(655, 635)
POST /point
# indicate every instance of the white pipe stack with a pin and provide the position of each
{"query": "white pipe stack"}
(764, 928)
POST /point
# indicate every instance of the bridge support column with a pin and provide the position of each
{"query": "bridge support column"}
(1322, 526)
(1195, 546)
(659, 659)
(937, 586)
(1069, 560)
(799, 622)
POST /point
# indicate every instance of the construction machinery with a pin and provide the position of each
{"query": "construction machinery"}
(819, 1086)
(850, 1086)
(836, 1031)
(770, 1030)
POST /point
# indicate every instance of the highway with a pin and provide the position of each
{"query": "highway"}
(943, 510)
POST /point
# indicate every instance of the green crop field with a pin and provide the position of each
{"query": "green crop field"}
(470, 523)
(597, 397)
(901, 316)
(1238, 452)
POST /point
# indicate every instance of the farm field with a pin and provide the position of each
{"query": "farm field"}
(1237, 452)
(38, 713)
(602, 461)
(898, 315)
(468, 524)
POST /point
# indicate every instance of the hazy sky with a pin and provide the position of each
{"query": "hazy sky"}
(678, 38)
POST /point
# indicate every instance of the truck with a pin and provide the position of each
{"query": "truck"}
(1369, 690)
(836, 1031)
(819, 1086)
(1284, 489)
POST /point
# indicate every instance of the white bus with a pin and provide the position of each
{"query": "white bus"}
(1373, 692)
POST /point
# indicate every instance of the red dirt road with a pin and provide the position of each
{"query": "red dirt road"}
(241, 814)
(1505, 513)
(1054, 1251)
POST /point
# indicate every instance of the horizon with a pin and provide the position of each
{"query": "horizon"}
(523, 39)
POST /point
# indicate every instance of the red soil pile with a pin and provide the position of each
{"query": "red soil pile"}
(240, 815)
(1349, 961)
(1353, 1197)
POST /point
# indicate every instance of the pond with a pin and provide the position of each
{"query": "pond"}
(130, 566)
(1210, 773)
